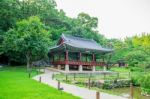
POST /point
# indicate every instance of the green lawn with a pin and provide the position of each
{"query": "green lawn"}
(15, 84)
(120, 69)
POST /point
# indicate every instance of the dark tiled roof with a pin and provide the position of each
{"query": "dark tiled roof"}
(81, 43)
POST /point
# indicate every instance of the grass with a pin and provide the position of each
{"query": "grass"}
(15, 84)
(120, 69)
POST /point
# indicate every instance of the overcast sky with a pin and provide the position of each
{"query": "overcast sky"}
(117, 18)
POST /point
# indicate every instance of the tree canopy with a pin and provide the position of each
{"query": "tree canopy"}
(29, 38)
(38, 24)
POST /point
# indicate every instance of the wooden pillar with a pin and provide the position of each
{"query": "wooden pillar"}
(131, 91)
(52, 76)
(93, 57)
(93, 60)
(80, 66)
(58, 85)
(80, 58)
(66, 77)
(97, 95)
(40, 79)
(66, 56)
(104, 65)
(74, 76)
(89, 82)
(66, 61)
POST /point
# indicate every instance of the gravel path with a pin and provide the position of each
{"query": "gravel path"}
(84, 93)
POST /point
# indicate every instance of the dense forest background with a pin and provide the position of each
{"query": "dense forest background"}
(28, 28)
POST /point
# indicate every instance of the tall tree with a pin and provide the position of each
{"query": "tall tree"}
(87, 21)
(8, 17)
(29, 37)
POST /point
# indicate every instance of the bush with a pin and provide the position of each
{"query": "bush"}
(145, 91)
(137, 69)
(106, 86)
(145, 83)
(135, 79)
(116, 84)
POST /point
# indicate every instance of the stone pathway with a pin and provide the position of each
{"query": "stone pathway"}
(84, 93)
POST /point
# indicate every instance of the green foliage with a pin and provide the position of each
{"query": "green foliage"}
(120, 50)
(135, 57)
(135, 50)
(145, 83)
(29, 38)
(85, 26)
(139, 55)
(86, 21)
(56, 22)
(8, 14)
(136, 78)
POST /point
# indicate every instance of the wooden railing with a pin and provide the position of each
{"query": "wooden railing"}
(78, 63)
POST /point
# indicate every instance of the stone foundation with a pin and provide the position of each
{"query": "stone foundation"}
(93, 68)
(80, 68)
(66, 67)
(59, 67)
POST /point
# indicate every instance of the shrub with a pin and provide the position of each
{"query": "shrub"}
(135, 79)
(145, 83)
(106, 86)
(137, 69)
(116, 84)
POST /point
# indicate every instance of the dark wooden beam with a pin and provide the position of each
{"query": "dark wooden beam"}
(93, 57)
(80, 58)
(86, 57)
(66, 57)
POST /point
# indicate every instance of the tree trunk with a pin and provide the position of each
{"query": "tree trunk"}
(28, 58)
(9, 62)
(28, 64)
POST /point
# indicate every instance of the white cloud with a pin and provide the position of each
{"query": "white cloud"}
(117, 18)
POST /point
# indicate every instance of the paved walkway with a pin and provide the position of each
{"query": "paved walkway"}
(84, 93)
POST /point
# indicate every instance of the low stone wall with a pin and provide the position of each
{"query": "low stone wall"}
(116, 84)
(107, 84)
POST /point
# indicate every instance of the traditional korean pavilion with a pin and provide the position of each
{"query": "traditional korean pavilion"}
(73, 52)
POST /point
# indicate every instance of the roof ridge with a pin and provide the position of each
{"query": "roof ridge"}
(85, 39)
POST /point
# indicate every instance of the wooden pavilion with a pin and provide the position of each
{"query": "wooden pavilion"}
(77, 53)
